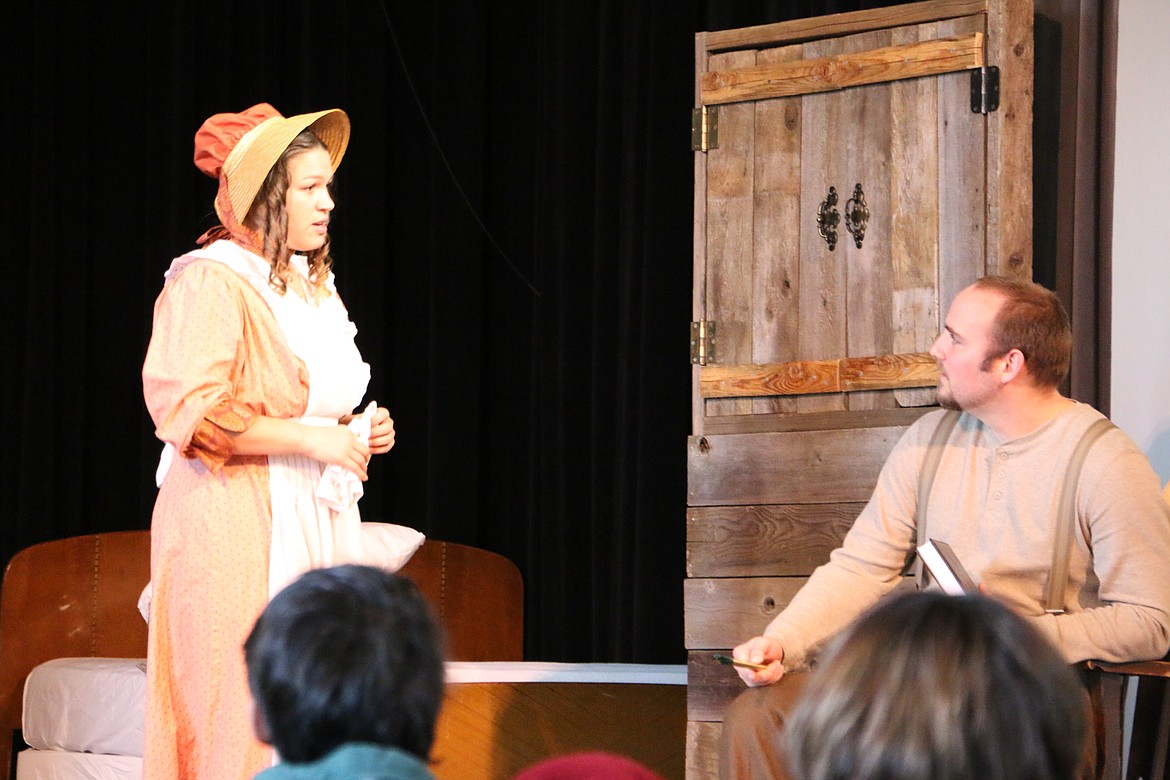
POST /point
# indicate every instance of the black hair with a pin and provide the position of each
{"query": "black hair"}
(346, 654)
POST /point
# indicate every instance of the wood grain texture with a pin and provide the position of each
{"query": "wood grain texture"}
(1009, 140)
(491, 731)
(821, 297)
(802, 467)
(751, 541)
(833, 25)
(699, 241)
(721, 612)
(711, 686)
(964, 199)
(802, 377)
(730, 229)
(776, 247)
(703, 750)
(837, 420)
(840, 71)
(865, 146)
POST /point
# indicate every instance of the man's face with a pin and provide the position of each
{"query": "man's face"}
(967, 381)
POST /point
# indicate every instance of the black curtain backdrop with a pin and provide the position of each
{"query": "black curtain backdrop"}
(512, 237)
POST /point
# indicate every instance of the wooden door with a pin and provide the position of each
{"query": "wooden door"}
(820, 350)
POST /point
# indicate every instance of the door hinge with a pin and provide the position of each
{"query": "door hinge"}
(704, 128)
(985, 89)
(703, 342)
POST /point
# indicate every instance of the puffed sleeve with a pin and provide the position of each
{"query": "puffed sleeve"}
(194, 362)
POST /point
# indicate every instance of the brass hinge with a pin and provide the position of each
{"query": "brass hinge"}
(703, 342)
(985, 89)
(704, 128)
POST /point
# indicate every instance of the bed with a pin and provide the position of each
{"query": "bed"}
(77, 598)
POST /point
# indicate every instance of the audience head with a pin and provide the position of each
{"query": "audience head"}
(588, 766)
(934, 687)
(345, 654)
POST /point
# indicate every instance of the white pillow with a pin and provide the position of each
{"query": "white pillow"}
(389, 546)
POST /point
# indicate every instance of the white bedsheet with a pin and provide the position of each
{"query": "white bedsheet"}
(86, 705)
(60, 765)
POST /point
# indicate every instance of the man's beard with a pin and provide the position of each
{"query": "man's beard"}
(947, 400)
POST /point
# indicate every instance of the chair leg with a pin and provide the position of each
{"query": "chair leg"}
(1162, 744)
(1107, 701)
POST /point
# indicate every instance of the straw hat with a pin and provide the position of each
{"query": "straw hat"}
(240, 149)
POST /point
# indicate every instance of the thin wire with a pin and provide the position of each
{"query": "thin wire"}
(443, 156)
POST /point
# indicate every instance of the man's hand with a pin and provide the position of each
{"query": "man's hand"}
(760, 650)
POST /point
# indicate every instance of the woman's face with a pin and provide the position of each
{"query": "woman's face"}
(307, 202)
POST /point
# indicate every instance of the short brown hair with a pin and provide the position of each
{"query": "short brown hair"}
(1033, 321)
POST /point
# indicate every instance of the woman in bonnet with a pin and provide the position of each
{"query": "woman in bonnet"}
(252, 379)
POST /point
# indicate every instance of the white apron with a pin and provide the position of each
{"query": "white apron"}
(315, 520)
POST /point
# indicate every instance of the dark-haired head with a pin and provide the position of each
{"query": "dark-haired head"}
(346, 654)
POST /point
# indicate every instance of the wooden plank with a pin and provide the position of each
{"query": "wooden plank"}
(711, 686)
(888, 371)
(750, 541)
(730, 229)
(703, 750)
(802, 467)
(798, 377)
(835, 72)
(914, 255)
(834, 25)
(801, 377)
(699, 242)
(822, 270)
(962, 182)
(722, 612)
(1009, 140)
(865, 146)
(776, 250)
(777, 423)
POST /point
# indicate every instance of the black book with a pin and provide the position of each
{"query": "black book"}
(944, 566)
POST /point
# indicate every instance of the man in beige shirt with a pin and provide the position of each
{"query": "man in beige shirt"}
(1002, 355)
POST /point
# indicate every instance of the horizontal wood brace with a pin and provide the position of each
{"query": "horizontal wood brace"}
(825, 74)
(803, 377)
(836, 25)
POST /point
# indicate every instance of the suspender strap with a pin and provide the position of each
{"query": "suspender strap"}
(1066, 518)
(930, 462)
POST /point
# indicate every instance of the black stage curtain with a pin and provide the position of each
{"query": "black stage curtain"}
(512, 237)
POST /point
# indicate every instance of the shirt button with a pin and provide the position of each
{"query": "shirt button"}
(1003, 456)
(998, 495)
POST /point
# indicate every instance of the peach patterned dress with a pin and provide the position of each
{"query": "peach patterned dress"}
(218, 357)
